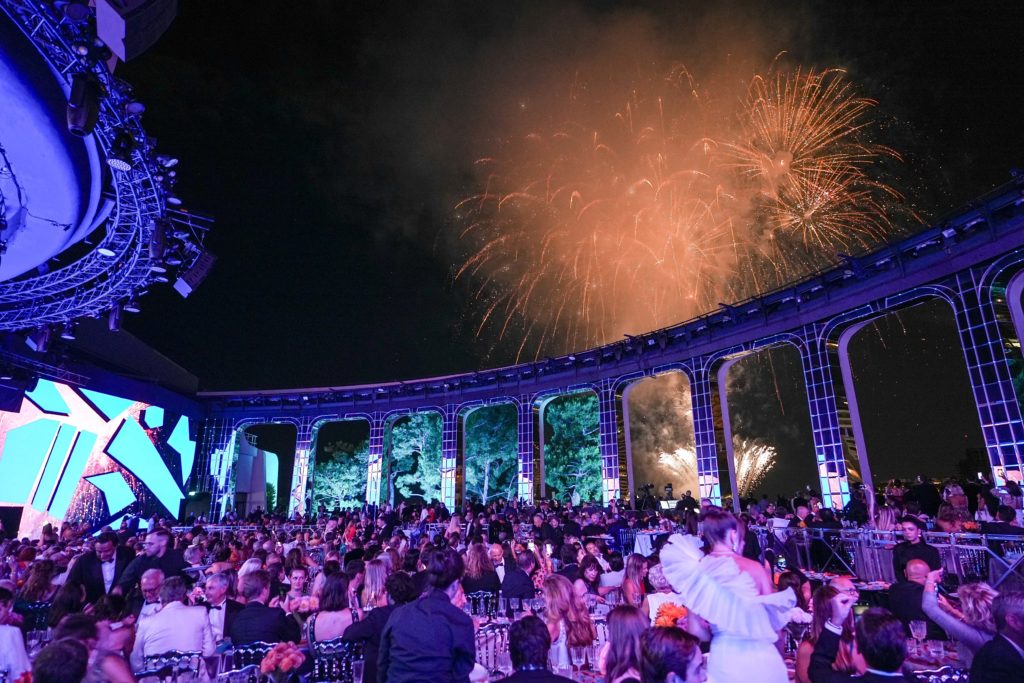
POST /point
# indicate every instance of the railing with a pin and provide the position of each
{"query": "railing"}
(867, 554)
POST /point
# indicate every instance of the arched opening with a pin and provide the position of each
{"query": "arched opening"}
(914, 397)
(340, 465)
(770, 425)
(265, 453)
(413, 448)
(660, 430)
(491, 453)
(571, 447)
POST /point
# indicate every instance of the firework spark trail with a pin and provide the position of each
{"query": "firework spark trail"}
(753, 461)
(629, 220)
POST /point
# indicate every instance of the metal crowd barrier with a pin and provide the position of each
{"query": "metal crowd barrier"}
(867, 554)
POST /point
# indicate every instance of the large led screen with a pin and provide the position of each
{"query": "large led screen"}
(80, 455)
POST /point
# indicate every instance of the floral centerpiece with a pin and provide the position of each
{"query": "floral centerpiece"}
(671, 614)
(282, 661)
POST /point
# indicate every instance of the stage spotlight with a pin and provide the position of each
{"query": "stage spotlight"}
(83, 104)
(166, 161)
(173, 260)
(67, 331)
(132, 306)
(77, 10)
(114, 319)
(119, 156)
(106, 252)
(39, 339)
(172, 200)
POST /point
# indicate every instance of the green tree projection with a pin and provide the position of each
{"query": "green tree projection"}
(271, 496)
(572, 460)
(339, 480)
(415, 467)
(491, 453)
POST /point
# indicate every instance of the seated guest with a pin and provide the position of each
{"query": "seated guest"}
(1001, 660)
(974, 626)
(905, 599)
(621, 661)
(570, 569)
(430, 639)
(671, 655)
(13, 658)
(566, 615)
(258, 621)
(913, 547)
(617, 568)
(221, 609)
(880, 638)
(480, 574)
(848, 660)
(517, 583)
(104, 646)
(401, 590)
(589, 581)
(1003, 525)
(502, 564)
(175, 627)
(528, 645)
(62, 661)
(595, 527)
(336, 613)
(634, 589)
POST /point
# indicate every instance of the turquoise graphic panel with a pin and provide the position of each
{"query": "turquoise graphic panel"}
(47, 398)
(54, 468)
(185, 446)
(153, 417)
(133, 450)
(108, 406)
(115, 490)
(24, 453)
(72, 473)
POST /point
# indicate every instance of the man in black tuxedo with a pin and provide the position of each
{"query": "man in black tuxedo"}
(1001, 660)
(517, 582)
(258, 621)
(222, 609)
(100, 569)
(570, 569)
(880, 639)
(528, 645)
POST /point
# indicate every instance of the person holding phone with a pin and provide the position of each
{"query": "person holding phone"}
(880, 639)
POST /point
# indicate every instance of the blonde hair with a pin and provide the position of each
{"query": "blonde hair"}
(249, 566)
(563, 605)
(885, 519)
(374, 580)
(477, 561)
(976, 604)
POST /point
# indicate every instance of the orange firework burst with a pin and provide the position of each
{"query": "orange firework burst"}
(642, 216)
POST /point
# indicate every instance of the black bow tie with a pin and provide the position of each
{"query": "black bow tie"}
(216, 607)
(152, 602)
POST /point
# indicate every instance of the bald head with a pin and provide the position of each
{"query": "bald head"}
(843, 584)
(917, 571)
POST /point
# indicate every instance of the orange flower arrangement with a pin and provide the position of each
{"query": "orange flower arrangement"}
(304, 605)
(670, 614)
(25, 677)
(281, 661)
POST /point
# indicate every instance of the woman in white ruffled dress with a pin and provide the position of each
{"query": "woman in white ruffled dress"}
(736, 596)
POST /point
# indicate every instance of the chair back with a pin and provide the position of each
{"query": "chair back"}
(35, 615)
(247, 674)
(253, 653)
(483, 603)
(946, 674)
(174, 664)
(491, 642)
(332, 660)
(627, 541)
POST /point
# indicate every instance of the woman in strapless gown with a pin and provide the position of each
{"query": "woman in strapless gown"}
(744, 622)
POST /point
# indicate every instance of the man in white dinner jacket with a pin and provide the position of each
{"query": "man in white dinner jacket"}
(176, 626)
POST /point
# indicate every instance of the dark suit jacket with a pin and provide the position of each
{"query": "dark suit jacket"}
(369, 631)
(534, 677)
(570, 571)
(257, 622)
(232, 608)
(88, 572)
(905, 604)
(997, 662)
(517, 584)
(825, 651)
(171, 564)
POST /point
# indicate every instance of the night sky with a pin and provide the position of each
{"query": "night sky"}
(330, 141)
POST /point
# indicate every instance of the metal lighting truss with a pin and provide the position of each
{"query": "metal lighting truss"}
(94, 283)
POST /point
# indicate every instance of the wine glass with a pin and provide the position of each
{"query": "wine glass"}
(918, 629)
(357, 671)
(579, 655)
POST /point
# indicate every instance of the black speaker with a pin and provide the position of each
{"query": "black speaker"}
(130, 27)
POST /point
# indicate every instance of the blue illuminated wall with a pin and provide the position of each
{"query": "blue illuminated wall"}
(79, 454)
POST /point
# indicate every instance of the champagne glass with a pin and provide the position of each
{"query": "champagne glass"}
(579, 655)
(357, 671)
(918, 629)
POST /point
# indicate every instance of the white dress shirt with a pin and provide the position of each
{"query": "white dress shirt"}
(108, 569)
(500, 569)
(13, 657)
(217, 614)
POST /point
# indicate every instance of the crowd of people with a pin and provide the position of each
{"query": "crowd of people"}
(705, 604)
